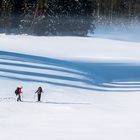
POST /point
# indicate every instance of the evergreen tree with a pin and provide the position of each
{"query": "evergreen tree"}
(72, 17)
(6, 15)
(65, 17)
(33, 17)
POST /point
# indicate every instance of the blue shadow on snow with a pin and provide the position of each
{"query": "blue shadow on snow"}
(99, 76)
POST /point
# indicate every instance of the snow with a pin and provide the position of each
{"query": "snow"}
(91, 88)
(75, 48)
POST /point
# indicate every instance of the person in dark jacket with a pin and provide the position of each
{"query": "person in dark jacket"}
(39, 91)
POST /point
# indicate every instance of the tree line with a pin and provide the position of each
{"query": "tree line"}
(63, 17)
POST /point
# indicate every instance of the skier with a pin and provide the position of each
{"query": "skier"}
(39, 91)
(18, 93)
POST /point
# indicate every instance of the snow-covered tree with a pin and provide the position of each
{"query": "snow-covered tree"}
(71, 17)
(33, 17)
(6, 15)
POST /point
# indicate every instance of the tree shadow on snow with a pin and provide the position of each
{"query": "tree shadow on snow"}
(109, 77)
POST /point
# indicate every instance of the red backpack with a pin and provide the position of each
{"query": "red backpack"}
(17, 91)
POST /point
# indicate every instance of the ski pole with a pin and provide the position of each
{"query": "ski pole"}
(22, 96)
(34, 96)
(42, 96)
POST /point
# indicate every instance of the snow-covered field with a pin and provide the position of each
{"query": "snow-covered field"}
(91, 88)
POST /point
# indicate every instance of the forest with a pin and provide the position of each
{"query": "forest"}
(64, 17)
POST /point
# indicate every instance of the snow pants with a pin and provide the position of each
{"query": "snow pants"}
(19, 97)
(39, 97)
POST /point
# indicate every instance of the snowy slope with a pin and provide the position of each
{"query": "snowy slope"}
(91, 88)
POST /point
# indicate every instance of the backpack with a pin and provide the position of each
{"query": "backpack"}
(16, 91)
